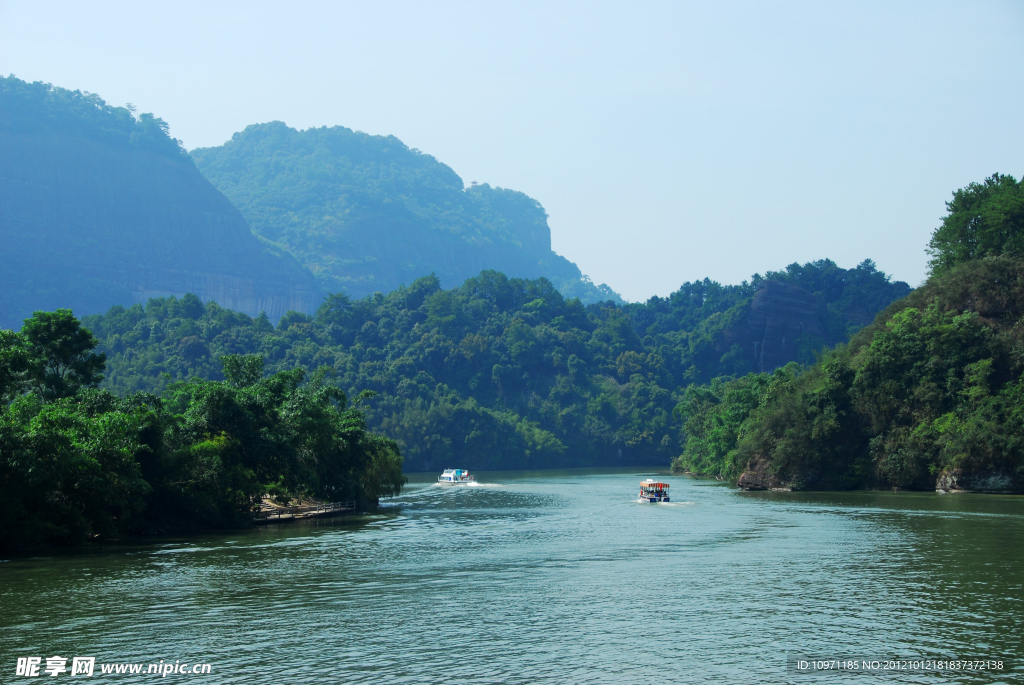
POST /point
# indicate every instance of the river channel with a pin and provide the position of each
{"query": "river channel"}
(550, 576)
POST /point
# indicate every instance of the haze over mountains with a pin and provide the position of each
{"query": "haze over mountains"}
(103, 208)
(367, 214)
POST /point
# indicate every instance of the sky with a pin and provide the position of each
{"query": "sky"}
(668, 142)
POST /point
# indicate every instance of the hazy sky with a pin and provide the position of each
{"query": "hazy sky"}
(667, 141)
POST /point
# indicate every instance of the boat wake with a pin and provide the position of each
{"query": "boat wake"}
(666, 504)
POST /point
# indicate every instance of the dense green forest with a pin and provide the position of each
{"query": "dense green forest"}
(367, 213)
(499, 372)
(103, 207)
(928, 396)
(78, 463)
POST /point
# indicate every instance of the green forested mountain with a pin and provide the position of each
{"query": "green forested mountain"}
(100, 207)
(367, 214)
(763, 324)
(929, 396)
(503, 372)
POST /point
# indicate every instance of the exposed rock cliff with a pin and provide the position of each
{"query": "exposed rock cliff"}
(782, 317)
(98, 208)
(779, 324)
(959, 480)
(760, 479)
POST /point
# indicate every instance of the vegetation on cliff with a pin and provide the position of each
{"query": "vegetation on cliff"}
(498, 373)
(41, 108)
(930, 395)
(78, 462)
(367, 214)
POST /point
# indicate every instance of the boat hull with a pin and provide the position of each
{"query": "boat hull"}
(653, 500)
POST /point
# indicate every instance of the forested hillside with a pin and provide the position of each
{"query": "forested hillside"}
(367, 214)
(929, 396)
(503, 372)
(100, 207)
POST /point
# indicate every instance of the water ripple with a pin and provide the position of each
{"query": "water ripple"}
(543, 578)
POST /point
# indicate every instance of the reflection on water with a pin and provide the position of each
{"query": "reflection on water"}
(536, 576)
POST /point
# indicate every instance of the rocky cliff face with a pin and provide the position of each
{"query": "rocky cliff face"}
(991, 481)
(89, 218)
(781, 323)
(782, 318)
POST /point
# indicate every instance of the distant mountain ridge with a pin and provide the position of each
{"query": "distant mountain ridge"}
(367, 213)
(103, 208)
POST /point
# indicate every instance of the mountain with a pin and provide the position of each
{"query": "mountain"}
(367, 213)
(781, 317)
(101, 207)
(505, 372)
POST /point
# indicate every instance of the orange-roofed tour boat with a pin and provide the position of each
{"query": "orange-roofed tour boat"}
(653, 491)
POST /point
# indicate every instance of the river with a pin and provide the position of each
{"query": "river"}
(548, 576)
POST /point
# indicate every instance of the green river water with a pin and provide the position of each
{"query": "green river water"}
(558, 576)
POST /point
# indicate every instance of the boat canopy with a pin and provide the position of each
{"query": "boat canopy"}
(651, 485)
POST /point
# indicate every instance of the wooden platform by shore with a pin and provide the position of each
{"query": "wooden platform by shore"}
(271, 513)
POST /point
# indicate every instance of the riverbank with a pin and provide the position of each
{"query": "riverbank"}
(947, 483)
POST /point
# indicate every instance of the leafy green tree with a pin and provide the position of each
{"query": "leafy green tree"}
(242, 370)
(67, 473)
(984, 219)
(14, 364)
(712, 417)
(61, 357)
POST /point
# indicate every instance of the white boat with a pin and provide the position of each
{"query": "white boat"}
(455, 477)
(653, 491)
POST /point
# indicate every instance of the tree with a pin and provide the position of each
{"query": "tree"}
(13, 365)
(61, 359)
(242, 370)
(984, 219)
